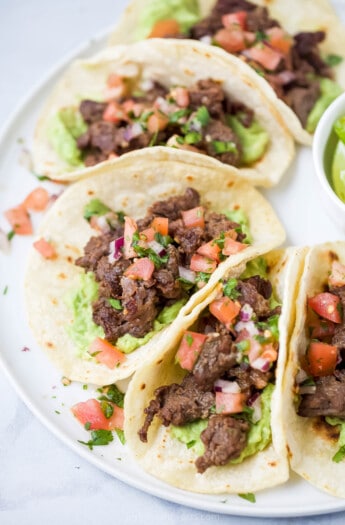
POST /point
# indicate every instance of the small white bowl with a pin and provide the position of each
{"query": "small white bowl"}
(334, 206)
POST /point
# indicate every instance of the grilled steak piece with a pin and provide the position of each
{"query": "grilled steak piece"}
(178, 404)
(249, 378)
(92, 111)
(172, 207)
(96, 248)
(216, 357)
(250, 295)
(217, 131)
(207, 93)
(224, 438)
(328, 399)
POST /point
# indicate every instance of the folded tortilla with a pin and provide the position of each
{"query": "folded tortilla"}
(170, 63)
(131, 185)
(311, 447)
(294, 16)
(168, 459)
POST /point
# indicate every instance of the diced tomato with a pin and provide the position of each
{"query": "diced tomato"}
(337, 276)
(147, 235)
(161, 225)
(45, 248)
(227, 403)
(239, 18)
(321, 328)
(163, 28)
(194, 217)
(140, 269)
(19, 219)
(210, 250)
(90, 411)
(231, 247)
(199, 263)
(231, 39)
(279, 39)
(264, 55)
(105, 353)
(249, 37)
(157, 122)
(114, 113)
(37, 200)
(269, 352)
(327, 305)
(130, 106)
(321, 358)
(189, 349)
(225, 310)
(130, 228)
(181, 96)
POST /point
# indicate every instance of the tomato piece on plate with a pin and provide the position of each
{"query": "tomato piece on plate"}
(210, 250)
(321, 358)
(321, 328)
(264, 55)
(161, 225)
(194, 217)
(238, 19)
(37, 200)
(327, 305)
(105, 353)
(199, 263)
(90, 411)
(227, 403)
(130, 228)
(189, 349)
(279, 39)
(45, 248)
(19, 219)
(337, 275)
(231, 39)
(140, 269)
(231, 246)
(163, 28)
(225, 310)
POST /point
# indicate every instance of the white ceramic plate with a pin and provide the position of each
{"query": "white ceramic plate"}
(39, 384)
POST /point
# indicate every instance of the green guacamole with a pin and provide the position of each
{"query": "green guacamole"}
(330, 90)
(254, 140)
(83, 331)
(63, 129)
(259, 434)
(185, 12)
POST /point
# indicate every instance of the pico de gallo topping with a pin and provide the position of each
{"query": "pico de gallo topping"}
(229, 356)
(144, 270)
(321, 379)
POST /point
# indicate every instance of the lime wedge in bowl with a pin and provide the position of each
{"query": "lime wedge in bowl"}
(338, 170)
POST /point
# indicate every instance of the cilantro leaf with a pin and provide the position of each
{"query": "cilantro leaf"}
(115, 303)
(113, 394)
(229, 289)
(121, 435)
(249, 496)
(95, 207)
(333, 60)
(98, 439)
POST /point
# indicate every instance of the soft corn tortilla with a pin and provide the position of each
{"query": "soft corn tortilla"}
(294, 16)
(170, 63)
(131, 185)
(170, 460)
(310, 448)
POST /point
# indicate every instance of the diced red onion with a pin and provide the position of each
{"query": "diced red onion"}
(257, 411)
(246, 312)
(162, 104)
(307, 389)
(252, 399)
(261, 364)
(228, 387)
(249, 326)
(301, 376)
(146, 84)
(4, 242)
(187, 274)
(132, 131)
(115, 249)
(285, 77)
(157, 248)
(102, 223)
(206, 39)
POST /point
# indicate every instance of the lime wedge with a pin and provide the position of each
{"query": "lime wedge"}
(338, 170)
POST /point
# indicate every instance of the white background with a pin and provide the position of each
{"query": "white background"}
(41, 480)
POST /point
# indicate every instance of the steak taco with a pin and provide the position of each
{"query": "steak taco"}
(206, 415)
(135, 245)
(315, 375)
(161, 94)
(297, 48)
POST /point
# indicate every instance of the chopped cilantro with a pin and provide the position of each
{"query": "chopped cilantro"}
(243, 346)
(224, 147)
(115, 303)
(57, 412)
(85, 387)
(5, 290)
(249, 496)
(10, 235)
(193, 137)
(98, 438)
(121, 435)
(95, 207)
(120, 217)
(113, 394)
(40, 177)
(153, 139)
(340, 455)
(179, 140)
(189, 339)
(157, 260)
(107, 409)
(202, 277)
(87, 425)
(202, 115)
(229, 289)
(164, 240)
(333, 60)
(260, 36)
(272, 326)
(175, 117)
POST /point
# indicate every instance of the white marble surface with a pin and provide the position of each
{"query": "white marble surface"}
(41, 480)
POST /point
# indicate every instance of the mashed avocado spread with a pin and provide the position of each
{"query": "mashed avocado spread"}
(83, 330)
(259, 434)
(185, 12)
(63, 129)
(330, 90)
(254, 139)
